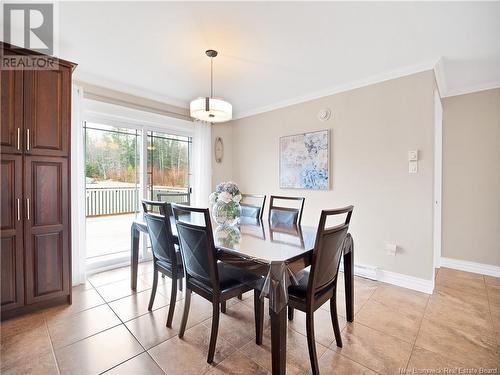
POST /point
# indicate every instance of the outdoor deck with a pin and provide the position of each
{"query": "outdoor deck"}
(108, 234)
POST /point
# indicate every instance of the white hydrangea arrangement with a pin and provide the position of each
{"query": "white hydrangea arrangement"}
(226, 192)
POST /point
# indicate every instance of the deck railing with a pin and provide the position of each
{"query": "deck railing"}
(102, 201)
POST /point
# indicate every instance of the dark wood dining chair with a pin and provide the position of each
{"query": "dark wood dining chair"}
(319, 284)
(215, 281)
(285, 215)
(182, 198)
(252, 210)
(166, 258)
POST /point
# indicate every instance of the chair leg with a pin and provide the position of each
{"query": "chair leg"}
(240, 296)
(173, 298)
(213, 334)
(187, 303)
(335, 322)
(153, 291)
(181, 283)
(223, 307)
(258, 307)
(310, 342)
(290, 313)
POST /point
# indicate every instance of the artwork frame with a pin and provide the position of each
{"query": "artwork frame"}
(304, 161)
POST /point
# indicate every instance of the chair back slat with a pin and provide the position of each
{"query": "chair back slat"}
(328, 251)
(285, 215)
(160, 207)
(181, 198)
(160, 232)
(197, 246)
(249, 210)
(252, 210)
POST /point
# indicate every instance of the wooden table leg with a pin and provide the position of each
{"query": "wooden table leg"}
(278, 341)
(349, 284)
(134, 261)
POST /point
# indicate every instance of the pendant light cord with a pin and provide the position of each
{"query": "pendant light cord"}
(211, 77)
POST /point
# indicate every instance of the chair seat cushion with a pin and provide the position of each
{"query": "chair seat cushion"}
(230, 278)
(299, 291)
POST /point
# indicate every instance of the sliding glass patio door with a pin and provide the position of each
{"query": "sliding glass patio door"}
(168, 167)
(123, 165)
(112, 191)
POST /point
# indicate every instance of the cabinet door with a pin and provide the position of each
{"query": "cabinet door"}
(12, 275)
(47, 110)
(46, 228)
(11, 118)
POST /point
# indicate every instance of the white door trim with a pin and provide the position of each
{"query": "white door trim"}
(438, 178)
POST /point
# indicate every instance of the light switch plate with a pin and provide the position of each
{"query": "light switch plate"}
(413, 167)
(413, 155)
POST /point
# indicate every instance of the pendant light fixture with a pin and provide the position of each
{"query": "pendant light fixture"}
(209, 108)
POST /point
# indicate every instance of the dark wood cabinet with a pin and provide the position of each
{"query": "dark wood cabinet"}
(35, 203)
(46, 227)
(47, 110)
(11, 119)
(12, 253)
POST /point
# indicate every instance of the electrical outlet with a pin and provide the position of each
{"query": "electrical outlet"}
(391, 248)
(413, 155)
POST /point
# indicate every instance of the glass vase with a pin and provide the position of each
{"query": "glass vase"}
(227, 236)
(226, 213)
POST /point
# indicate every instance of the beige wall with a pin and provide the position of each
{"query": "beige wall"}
(471, 177)
(372, 130)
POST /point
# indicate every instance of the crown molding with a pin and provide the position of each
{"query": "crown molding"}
(437, 66)
(378, 78)
(472, 89)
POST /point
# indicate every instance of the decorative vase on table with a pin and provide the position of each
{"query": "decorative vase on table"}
(226, 209)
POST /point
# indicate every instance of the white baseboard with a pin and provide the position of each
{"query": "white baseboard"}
(368, 272)
(464, 265)
(361, 270)
(405, 281)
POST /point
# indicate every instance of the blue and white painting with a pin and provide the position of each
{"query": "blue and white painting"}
(304, 162)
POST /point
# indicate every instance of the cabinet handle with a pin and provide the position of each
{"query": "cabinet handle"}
(18, 138)
(27, 139)
(28, 207)
(18, 209)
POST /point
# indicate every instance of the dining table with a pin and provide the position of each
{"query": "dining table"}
(278, 253)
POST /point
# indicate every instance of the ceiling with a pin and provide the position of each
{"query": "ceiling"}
(274, 54)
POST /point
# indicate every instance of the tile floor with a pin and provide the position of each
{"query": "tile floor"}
(108, 329)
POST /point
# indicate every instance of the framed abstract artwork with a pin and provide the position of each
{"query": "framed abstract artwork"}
(304, 161)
